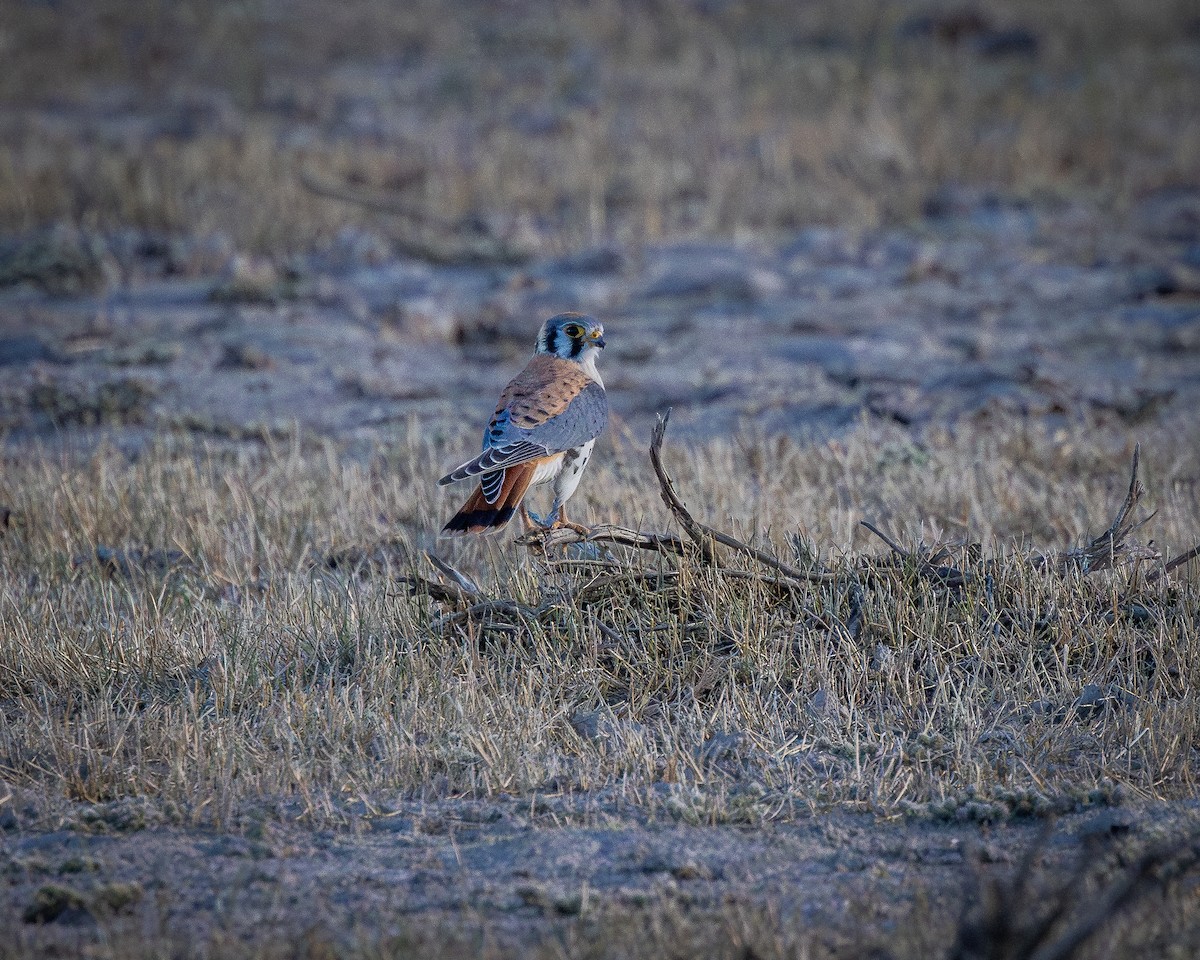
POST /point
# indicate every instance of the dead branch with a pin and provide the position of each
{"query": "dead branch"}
(1178, 561)
(465, 583)
(701, 541)
(436, 591)
(605, 533)
(490, 608)
(1107, 551)
(884, 537)
(701, 535)
(1111, 548)
(666, 489)
(943, 574)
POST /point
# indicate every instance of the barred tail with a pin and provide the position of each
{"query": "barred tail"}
(479, 516)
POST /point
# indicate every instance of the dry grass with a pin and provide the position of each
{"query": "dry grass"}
(574, 124)
(245, 637)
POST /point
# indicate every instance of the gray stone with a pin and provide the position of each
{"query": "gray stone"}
(600, 726)
(722, 746)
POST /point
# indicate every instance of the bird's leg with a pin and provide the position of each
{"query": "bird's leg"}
(527, 524)
(558, 518)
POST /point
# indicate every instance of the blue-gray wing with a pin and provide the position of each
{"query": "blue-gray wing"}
(582, 420)
(520, 437)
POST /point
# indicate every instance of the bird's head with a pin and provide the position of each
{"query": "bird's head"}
(572, 336)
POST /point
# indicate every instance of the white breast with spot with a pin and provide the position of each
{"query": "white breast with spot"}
(573, 464)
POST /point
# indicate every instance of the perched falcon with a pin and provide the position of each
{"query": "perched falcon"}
(543, 429)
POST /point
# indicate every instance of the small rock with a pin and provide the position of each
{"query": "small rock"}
(600, 726)
(822, 705)
(722, 746)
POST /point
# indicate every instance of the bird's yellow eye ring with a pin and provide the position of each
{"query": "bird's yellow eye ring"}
(573, 330)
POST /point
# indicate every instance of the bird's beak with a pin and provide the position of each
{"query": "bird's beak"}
(598, 340)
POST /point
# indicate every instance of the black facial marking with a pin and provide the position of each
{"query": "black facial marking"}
(576, 347)
(552, 341)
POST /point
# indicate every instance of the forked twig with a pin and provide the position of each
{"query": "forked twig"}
(1104, 552)
(701, 535)
(666, 488)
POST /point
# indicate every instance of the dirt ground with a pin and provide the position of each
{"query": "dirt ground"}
(524, 876)
(989, 307)
(956, 317)
(165, 271)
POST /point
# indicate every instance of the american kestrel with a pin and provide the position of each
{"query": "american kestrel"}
(543, 429)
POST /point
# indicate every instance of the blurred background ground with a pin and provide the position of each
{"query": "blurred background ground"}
(265, 266)
(587, 122)
(226, 218)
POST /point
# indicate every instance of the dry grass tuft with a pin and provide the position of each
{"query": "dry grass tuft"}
(199, 631)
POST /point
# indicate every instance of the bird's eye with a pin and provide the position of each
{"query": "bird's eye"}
(573, 330)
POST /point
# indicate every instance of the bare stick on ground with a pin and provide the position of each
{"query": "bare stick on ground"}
(701, 534)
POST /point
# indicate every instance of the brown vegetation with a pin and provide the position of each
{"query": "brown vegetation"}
(207, 637)
(501, 130)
